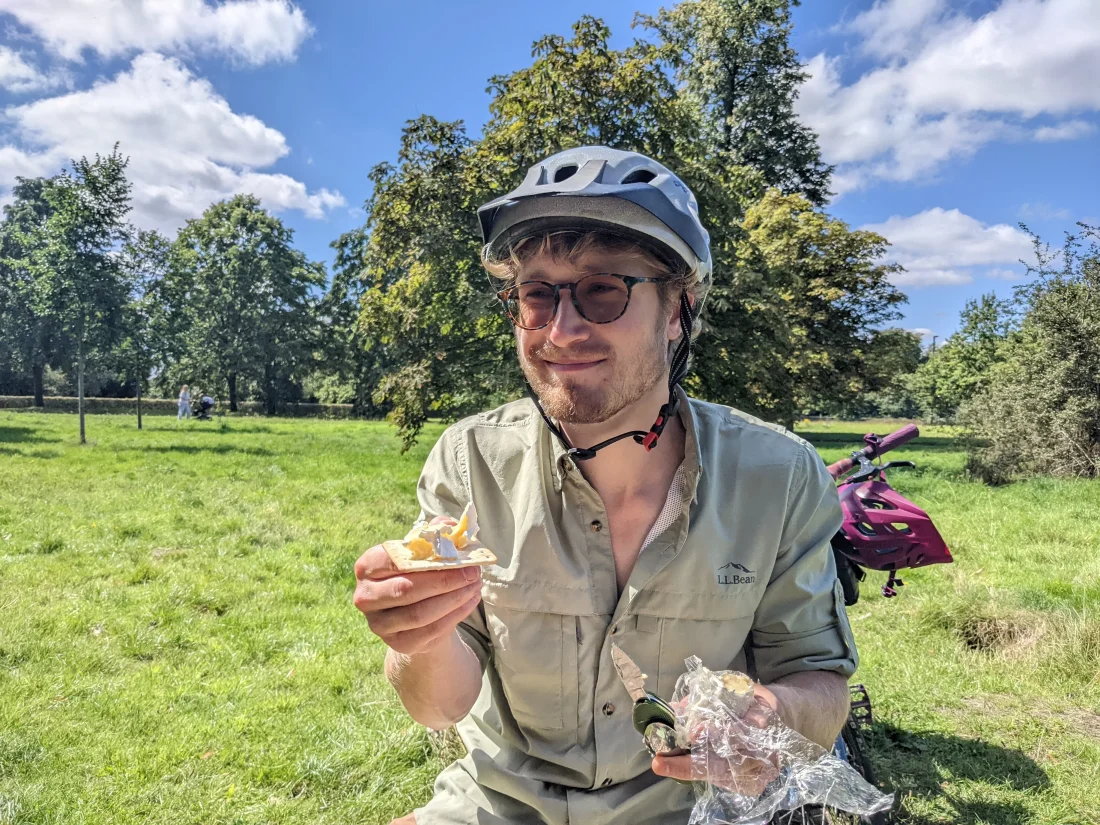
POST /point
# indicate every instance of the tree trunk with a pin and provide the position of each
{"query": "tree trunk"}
(139, 402)
(80, 391)
(39, 399)
(232, 392)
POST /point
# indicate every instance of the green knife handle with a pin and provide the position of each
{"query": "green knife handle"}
(652, 710)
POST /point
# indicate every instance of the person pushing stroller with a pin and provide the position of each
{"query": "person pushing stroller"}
(206, 404)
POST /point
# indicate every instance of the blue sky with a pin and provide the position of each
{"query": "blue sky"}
(949, 122)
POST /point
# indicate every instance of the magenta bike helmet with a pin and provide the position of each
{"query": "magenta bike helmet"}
(887, 531)
(883, 530)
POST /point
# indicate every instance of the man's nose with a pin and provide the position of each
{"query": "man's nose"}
(567, 326)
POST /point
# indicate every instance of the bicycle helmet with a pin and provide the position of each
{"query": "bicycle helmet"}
(594, 188)
(597, 187)
(886, 531)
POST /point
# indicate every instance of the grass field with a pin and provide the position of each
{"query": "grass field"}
(178, 643)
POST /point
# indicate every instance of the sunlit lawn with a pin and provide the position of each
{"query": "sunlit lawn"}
(178, 644)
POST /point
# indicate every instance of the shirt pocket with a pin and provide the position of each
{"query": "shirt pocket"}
(536, 659)
(716, 633)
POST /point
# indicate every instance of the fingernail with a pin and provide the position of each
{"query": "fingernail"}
(470, 573)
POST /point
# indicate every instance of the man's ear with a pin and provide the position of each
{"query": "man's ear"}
(674, 328)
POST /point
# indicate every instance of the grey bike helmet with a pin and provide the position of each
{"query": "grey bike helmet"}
(599, 188)
(596, 187)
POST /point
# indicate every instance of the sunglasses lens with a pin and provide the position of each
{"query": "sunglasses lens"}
(531, 305)
(602, 298)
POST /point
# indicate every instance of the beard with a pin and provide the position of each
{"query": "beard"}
(588, 401)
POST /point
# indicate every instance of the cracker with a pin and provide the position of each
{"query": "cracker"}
(474, 554)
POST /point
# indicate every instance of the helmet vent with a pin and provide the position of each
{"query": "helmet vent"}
(639, 176)
(901, 527)
(565, 172)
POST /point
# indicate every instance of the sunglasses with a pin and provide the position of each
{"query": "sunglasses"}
(599, 299)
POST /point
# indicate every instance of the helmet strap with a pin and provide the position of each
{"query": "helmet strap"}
(677, 370)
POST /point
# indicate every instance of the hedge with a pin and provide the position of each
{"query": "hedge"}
(167, 406)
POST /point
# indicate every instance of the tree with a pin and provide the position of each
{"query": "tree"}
(429, 306)
(241, 300)
(1037, 411)
(428, 309)
(31, 340)
(961, 367)
(797, 325)
(349, 361)
(734, 61)
(70, 257)
(146, 260)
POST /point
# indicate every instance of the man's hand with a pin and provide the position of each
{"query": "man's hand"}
(747, 777)
(413, 612)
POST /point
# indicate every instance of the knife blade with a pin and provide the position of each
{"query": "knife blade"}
(631, 675)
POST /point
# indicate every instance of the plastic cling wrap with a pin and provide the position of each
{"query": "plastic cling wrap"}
(748, 765)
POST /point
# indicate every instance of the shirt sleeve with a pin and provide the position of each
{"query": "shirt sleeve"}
(443, 490)
(800, 623)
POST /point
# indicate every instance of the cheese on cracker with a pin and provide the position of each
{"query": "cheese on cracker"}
(442, 541)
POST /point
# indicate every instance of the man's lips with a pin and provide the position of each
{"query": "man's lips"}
(572, 366)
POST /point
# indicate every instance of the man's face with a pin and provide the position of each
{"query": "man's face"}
(585, 373)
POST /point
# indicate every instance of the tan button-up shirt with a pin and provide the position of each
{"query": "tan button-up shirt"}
(743, 578)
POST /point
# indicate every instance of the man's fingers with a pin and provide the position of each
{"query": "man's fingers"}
(675, 767)
(409, 588)
(749, 779)
(422, 613)
(375, 564)
(411, 641)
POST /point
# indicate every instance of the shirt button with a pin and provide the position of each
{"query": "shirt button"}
(596, 526)
(608, 709)
(606, 782)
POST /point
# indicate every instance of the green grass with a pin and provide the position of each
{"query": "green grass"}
(178, 643)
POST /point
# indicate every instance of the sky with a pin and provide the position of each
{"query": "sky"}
(949, 123)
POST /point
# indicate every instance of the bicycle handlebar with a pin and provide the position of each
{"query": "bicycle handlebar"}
(892, 441)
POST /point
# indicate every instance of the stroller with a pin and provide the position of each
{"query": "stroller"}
(206, 404)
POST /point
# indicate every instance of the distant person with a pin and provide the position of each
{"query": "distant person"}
(185, 403)
(206, 404)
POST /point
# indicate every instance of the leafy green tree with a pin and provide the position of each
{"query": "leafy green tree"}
(961, 367)
(799, 324)
(241, 300)
(79, 284)
(146, 257)
(427, 308)
(31, 341)
(350, 362)
(1037, 411)
(734, 61)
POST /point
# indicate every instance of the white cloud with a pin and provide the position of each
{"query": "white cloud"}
(891, 28)
(951, 84)
(19, 76)
(255, 31)
(1067, 130)
(1043, 211)
(923, 332)
(187, 147)
(938, 247)
(1003, 274)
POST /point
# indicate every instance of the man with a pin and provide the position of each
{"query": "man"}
(674, 528)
